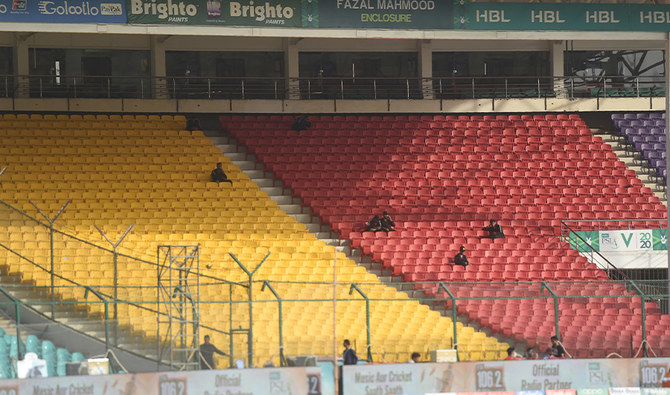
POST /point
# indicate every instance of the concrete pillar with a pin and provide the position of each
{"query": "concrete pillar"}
(158, 69)
(292, 67)
(21, 65)
(425, 49)
(557, 59)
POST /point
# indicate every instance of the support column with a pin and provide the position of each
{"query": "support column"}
(21, 64)
(158, 69)
(557, 60)
(292, 68)
(425, 49)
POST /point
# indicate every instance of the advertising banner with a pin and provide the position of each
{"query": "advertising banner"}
(585, 239)
(556, 16)
(210, 382)
(386, 14)
(621, 240)
(63, 11)
(626, 240)
(556, 377)
(272, 13)
(390, 14)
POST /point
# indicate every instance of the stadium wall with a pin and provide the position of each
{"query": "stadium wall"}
(330, 106)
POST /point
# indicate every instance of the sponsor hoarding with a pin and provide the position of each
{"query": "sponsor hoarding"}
(621, 240)
(556, 16)
(63, 11)
(273, 13)
(554, 377)
(206, 382)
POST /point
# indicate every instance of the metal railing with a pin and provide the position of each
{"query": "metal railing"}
(569, 229)
(236, 306)
(329, 88)
(452, 299)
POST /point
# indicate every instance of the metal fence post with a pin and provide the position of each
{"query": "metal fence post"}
(51, 246)
(115, 247)
(367, 317)
(282, 359)
(106, 303)
(555, 297)
(250, 340)
(443, 287)
(631, 285)
(17, 312)
(231, 357)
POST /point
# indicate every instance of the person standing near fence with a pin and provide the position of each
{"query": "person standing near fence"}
(207, 351)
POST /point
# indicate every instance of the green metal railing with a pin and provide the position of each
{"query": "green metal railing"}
(121, 303)
(449, 303)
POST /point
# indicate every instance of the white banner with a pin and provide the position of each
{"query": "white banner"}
(626, 240)
(273, 381)
(540, 375)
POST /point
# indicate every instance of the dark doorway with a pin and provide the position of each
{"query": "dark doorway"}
(96, 72)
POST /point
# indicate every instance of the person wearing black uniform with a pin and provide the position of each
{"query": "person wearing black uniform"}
(387, 223)
(495, 230)
(302, 123)
(460, 259)
(207, 351)
(218, 174)
(557, 350)
(374, 225)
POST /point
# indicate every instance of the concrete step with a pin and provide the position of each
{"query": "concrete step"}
(264, 182)
(227, 148)
(291, 208)
(283, 200)
(633, 162)
(313, 228)
(257, 174)
(273, 191)
(219, 140)
(236, 156)
(247, 165)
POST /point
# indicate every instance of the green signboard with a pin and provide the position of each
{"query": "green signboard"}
(660, 239)
(282, 13)
(585, 239)
(402, 14)
(620, 240)
(557, 16)
(386, 14)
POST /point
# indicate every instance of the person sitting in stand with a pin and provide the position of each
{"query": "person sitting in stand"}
(531, 353)
(415, 357)
(460, 259)
(512, 355)
(387, 223)
(374, 225)
(302, 123)
(218, 175)
(557, 350)
(495, 230)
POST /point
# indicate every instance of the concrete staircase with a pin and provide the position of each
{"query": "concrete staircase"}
(633, 161)
(293, 205)
(70, 324)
